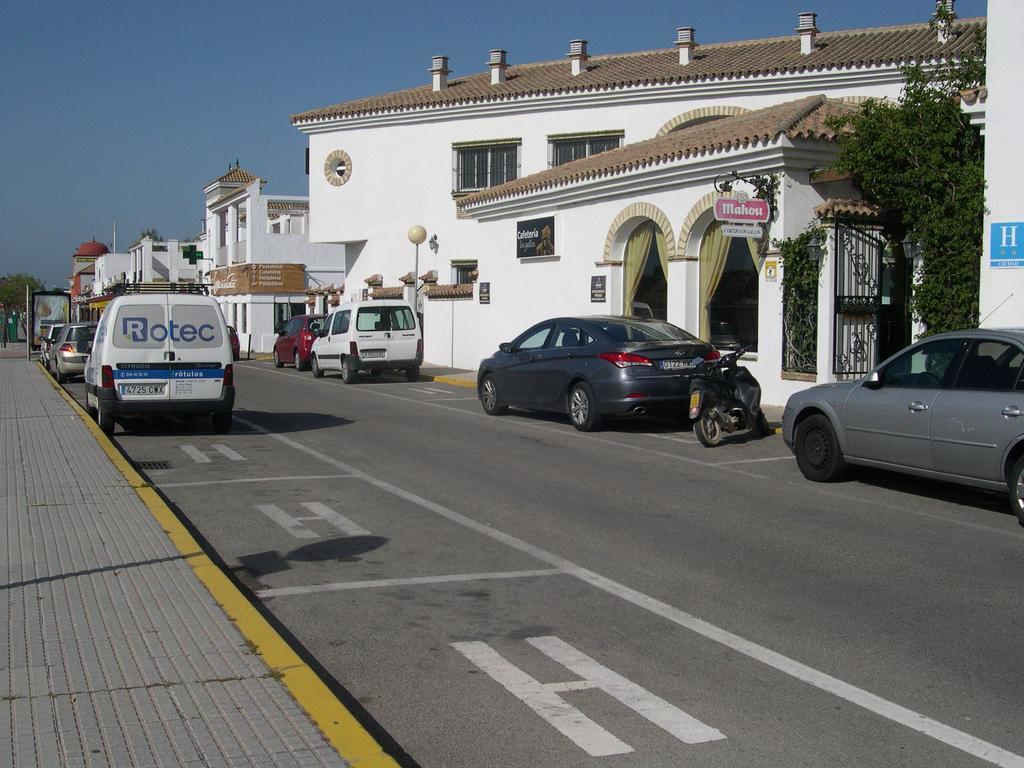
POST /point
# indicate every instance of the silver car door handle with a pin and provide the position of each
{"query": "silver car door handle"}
(1011, 410)
(917, 406)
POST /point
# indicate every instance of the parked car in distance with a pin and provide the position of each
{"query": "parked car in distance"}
(949, 407)
(294, 342)
(70, 350)
(236, 347)
(48, 335)
(592, 367)
(375, 336)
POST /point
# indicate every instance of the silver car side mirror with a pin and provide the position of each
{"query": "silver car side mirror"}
(873, 380)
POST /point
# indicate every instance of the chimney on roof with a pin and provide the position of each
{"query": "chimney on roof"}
(439, 69)
(498, 63)
(945, 14)
(578, 56)
(685, 42)
(808, 30)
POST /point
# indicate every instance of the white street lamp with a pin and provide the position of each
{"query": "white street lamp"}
(417, 234)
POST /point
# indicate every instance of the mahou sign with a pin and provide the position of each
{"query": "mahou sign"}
(742, 210)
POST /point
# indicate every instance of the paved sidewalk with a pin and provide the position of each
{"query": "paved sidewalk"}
(115, 654)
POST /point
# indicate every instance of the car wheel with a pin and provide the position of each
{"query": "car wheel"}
(489, 397)
(299, 365)
(1017, 489)
(104, 419)
(707, 429)
(58, 375)
(318, 372)
(817, 450)
(277, 359)
(222, 422)
(582, 413)
(348, 371)
(413, 373)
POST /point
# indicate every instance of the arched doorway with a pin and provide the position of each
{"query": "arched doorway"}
(645, 271)
(728, 289)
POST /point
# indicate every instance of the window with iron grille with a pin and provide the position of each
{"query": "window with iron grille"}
(565, 149)
(480, 166)
(461, 272)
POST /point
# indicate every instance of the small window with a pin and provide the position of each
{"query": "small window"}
(566, 149)
(481, 166)
(992, 365)
(925, 367)
(402, 319)
(533, 339)
(371, 319)
(571, 337)
(462, 272)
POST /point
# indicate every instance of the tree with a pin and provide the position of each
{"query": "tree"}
(152, 234)
(12, 290)
(921, 159)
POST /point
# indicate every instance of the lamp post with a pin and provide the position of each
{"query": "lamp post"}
(417, 234)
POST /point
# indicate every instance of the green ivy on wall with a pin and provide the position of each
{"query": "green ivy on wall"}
(800, 273)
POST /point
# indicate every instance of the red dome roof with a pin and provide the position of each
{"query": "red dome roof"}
(91, 248)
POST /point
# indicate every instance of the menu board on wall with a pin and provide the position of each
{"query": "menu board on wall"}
(258, 278)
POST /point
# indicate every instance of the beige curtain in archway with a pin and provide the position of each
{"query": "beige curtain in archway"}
(637, 246)
(753, 245)
(714, 251)
(659, 239)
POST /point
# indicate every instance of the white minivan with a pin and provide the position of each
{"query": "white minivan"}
(161, 353)
(375, 335)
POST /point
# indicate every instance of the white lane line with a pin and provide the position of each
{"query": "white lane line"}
(422, 391)
(286, 521)
(252, 480)
(875, 505)
(203, 457)
(340, 586)
(553, 709)
(336, 519)
(451, 399)
(230, 453)
(435, 391)
(865, 699)
(197, 456)
(673, 438)
(756, 461)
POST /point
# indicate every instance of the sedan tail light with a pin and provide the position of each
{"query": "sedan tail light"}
(67, 347)
(106, 377)
(714, 354)
(625, 359)
(307, 337)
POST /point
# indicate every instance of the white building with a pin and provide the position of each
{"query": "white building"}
(162, 261)
(261, 265)
(609, 165)
(999, 108)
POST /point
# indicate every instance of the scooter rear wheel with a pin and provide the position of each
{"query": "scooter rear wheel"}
(707, 429)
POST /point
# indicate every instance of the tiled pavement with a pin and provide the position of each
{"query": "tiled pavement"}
(114, 653)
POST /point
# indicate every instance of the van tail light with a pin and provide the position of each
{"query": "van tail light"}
(229, 375)
(714, 354)
(419, 349)
(626, 359)
(106, 377)
(67, 347)
(353, 349)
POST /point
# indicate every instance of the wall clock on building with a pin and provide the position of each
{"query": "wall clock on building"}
(338, 167)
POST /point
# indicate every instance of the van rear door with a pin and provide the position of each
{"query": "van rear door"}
(372, 333)
(199, 348)
(403, 342)
(141, 349)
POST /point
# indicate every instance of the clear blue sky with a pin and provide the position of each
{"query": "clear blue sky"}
(125, 110)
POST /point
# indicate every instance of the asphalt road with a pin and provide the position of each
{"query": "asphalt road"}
(506, 591)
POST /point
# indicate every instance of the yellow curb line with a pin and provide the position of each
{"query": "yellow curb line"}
(355, 745)
(455, 382)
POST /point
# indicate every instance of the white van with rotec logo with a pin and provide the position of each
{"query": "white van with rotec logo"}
(157, 353)
(376, 335)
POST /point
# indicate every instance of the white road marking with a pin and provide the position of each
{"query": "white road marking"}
(422, 391)
(556, 711)
(286, 521)
(673, 438)
(435, 391)
(202, 457)
(543, 698)
(756, 461)
(253, 480)
(340, 586)
(915, 721)
(336, 519)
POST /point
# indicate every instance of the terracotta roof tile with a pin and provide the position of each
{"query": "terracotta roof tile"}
(460, 291)
(860, 209)
(391, 292)
(236, 174)
(749, 58)
(287, 205)
(974, 95)
(804, 118)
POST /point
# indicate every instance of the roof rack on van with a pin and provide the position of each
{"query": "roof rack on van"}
(123, 288)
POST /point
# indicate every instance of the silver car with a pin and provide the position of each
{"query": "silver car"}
(948, 407)
(70, 351)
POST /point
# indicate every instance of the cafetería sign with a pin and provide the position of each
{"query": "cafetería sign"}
(258, 278)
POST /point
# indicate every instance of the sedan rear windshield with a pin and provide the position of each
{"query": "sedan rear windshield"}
(82, 333)
(651, 330)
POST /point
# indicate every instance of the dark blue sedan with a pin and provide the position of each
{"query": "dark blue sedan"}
(593, 367)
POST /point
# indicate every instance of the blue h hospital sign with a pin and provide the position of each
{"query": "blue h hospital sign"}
(1008, 245)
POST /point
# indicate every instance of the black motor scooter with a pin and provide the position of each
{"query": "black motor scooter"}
(725, 397)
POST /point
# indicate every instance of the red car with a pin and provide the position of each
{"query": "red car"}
(236, 348)
(295, 341)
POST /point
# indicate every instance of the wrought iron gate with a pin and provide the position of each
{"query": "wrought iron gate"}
(858, 299)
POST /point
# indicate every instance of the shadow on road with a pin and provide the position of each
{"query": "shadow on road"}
(345, 549)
